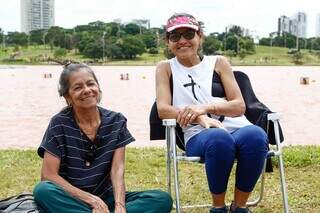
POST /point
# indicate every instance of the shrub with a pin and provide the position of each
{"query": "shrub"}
(153, 50)
(60, 52)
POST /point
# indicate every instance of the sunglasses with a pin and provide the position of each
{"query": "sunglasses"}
(175, 36)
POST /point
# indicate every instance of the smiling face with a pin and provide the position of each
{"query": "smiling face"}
(83, 90)
(185, 47)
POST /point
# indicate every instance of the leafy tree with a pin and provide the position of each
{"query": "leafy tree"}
(237, 30)
(36, 36)
(232, 43)
(56, 37)
(132, 29)
(113, 28)
(264, 41)
(149, 40)
(93, 50)
(97, 25)
(132, 46)
(85, 39)
(316, 43)
(247, 44)
(291, 41)
(114, 51)
(1, 35)
(211, 45)
(82, 28)
(16, 38)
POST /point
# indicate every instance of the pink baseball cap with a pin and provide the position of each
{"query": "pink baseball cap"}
(180, 21)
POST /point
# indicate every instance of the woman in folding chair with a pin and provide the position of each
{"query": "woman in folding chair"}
(214, 128)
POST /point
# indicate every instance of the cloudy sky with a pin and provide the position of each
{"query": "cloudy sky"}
(257, 15)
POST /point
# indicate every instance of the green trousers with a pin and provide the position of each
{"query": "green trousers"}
(53, 199)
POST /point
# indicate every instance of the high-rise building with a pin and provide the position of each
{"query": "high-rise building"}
(301, 19)
(36, 14)
(318, 25)
(296, 25)
(284, 24)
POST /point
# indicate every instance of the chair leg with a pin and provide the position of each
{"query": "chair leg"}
(168, 165)
(175, 170)
(172, 154)
(281, 169)
(283, 185)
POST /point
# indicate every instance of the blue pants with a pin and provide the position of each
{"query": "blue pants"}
(219, 149)
(51, 198)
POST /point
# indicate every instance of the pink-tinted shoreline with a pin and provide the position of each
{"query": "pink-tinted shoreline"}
(28, 100)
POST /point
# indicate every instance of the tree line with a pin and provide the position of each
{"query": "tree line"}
(100, 40)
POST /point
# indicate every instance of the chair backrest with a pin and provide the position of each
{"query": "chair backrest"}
(256, 112)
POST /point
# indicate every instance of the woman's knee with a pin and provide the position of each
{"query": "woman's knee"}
(219, 140)
(255, 138)
(164, 200)
(45, 190)
(41, 189)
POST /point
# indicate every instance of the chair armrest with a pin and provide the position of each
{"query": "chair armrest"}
(274, 116)
(169, 122)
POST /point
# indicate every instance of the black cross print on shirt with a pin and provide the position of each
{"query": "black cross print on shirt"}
(192, 84)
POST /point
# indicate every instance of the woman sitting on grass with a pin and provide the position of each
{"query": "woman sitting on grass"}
(83, 151)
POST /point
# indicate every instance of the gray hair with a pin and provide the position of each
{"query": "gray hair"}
(68, 69)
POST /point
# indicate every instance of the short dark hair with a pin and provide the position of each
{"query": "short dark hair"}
(68, 69)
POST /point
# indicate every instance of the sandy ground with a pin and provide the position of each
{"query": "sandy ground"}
(28, 100)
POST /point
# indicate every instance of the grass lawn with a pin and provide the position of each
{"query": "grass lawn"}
(264, 56)
(145, 169)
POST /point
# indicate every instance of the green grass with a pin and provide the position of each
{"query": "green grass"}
(275, 56)
(34, 54)
(145, 169)
(264, 56)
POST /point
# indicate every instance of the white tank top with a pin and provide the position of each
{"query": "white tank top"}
(192, 86)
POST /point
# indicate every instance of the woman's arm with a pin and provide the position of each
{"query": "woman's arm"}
(235, 105)
(163, 93)
(50, 172)
(117, 179)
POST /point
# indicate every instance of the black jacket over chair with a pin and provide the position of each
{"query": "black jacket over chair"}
(256, 112)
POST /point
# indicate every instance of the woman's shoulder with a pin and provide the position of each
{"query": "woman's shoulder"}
(222, 64)
(163, 68)
(111, 115)
(164, 64)
(64, 115)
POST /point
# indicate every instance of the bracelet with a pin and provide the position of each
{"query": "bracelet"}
(119, 204)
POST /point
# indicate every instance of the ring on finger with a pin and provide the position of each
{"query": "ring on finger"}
(189, 115)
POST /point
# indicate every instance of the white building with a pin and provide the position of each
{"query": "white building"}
(296, 25)
(301, 19)
(284, 24)
(36, 14)
(318, 25)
